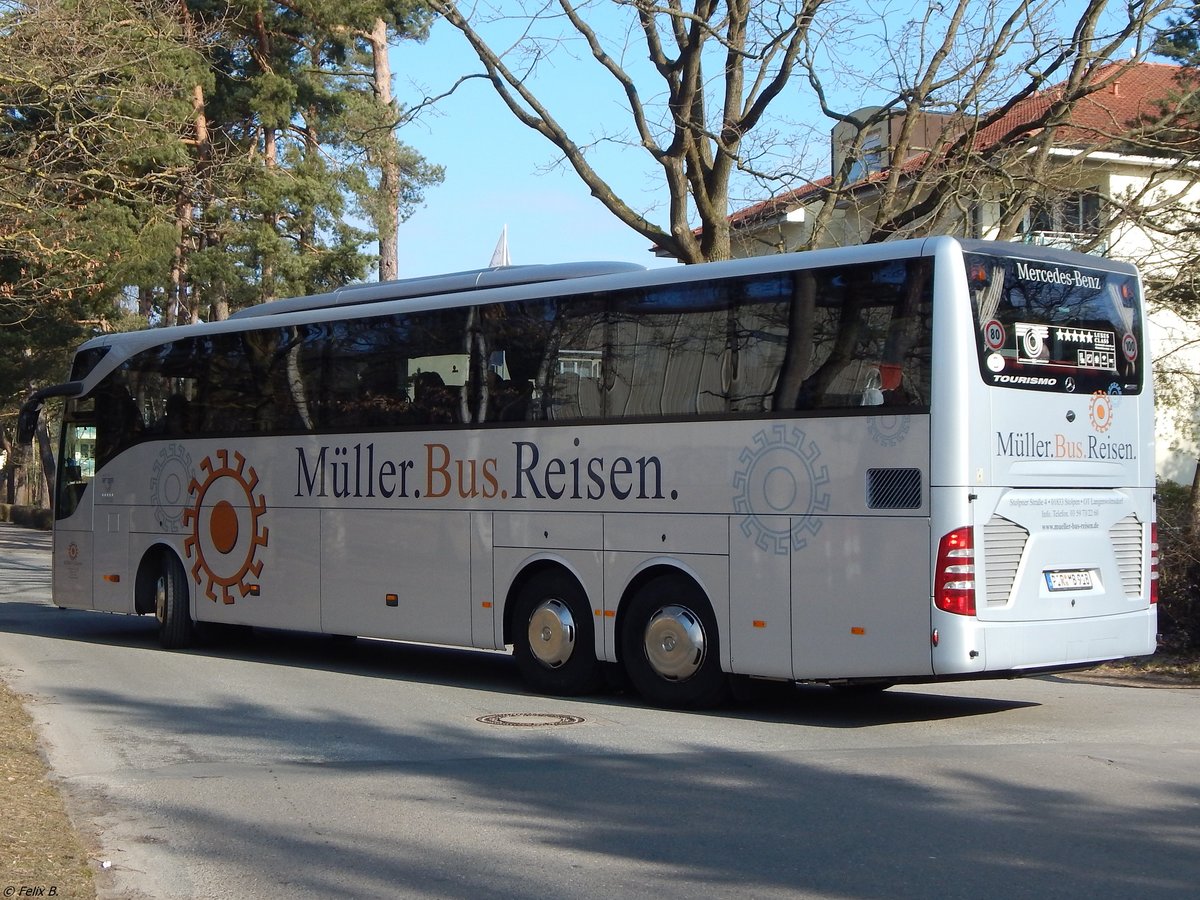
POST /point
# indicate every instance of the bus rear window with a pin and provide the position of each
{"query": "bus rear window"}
(1050, 326)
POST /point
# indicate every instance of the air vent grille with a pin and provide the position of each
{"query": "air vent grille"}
(894, 488)
(1003, 546)
(1126, 537)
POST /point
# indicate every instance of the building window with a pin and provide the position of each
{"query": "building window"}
(870, 158)
(1063, 220)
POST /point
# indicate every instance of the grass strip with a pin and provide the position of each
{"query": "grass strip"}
(41, 854)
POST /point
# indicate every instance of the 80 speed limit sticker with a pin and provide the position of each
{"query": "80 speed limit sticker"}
(994, 334)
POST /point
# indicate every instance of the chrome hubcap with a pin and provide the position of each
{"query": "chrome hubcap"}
(674, 643)
(552, 633)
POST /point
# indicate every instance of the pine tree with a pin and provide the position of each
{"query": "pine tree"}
(300, 127)
(1180, 39)
(189, 157)
(385, 176)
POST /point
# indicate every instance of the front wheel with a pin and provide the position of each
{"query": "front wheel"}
(553, 637)
(175, 628)
(669, 645)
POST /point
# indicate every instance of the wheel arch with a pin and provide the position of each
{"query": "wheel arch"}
(531, 569)
(148, 571)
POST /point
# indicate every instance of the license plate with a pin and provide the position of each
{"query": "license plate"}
(1075, 580)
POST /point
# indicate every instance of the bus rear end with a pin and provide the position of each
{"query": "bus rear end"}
(1043, 465)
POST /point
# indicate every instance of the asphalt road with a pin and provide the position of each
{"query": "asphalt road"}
(271, 765)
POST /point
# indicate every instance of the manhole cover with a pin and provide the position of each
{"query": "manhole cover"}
(530, 720)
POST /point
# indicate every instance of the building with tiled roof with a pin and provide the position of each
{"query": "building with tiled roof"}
(1112, 132)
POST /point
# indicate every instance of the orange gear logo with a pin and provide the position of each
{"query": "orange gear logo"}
(1101, 411)
(226, 531)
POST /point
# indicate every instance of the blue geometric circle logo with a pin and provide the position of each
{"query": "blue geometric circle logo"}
(169, 478)
(888, 431)
(781, 489)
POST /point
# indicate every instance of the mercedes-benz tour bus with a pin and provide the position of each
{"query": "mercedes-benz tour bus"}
(906, 462)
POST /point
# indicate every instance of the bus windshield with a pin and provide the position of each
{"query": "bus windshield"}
(1055, 327)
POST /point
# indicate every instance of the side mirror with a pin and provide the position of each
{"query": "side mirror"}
(27, 423)
(28, 419)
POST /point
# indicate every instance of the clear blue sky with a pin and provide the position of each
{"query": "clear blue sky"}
(496, 172)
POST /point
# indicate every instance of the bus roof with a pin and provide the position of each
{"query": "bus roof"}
(506, 282)
(432, 285)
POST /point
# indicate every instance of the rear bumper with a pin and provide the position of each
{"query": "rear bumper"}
(1014, 647)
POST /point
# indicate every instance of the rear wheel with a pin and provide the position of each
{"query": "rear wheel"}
(175, 628)
(669, 645)
(553, 637)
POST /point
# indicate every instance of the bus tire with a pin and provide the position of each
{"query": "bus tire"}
(554, 641)
(669, 645)
(171, 600)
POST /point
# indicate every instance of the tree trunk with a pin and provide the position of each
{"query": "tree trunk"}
(186, 206)
(179, 309)
(17, 475)
(389, 163)
(270, 156)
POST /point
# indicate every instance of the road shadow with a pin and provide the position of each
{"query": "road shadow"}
(540, 813)
(490, 671)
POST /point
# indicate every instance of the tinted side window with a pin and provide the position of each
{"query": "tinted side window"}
(858, 336)
(543, 360)
(406, 370)
(826, 339)
(810, 340)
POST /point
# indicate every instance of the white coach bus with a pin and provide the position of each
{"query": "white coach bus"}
(907, 462)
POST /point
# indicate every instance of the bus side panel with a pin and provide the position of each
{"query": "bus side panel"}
(397, 574)
(709, 571)
(760, 620)
(72, 568)
(112, 574)
(288, 584)
(861, 599)
(695, 545)
(487, 628)
(571, 540)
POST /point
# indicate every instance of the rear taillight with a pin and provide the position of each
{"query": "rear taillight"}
(954, 578)
(1153, 562)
